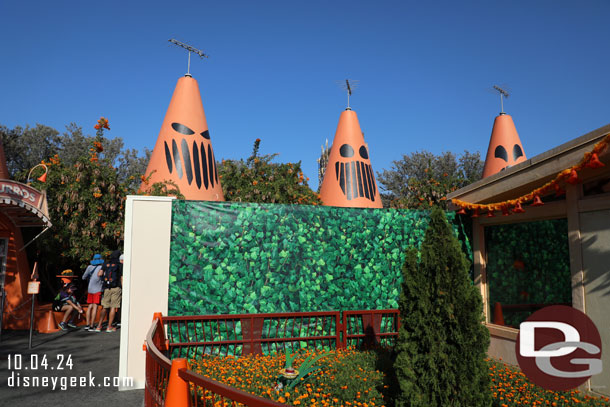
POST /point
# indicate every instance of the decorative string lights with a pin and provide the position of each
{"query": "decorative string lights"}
(569, 175)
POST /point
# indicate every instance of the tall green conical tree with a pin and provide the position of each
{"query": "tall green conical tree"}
(442, 344)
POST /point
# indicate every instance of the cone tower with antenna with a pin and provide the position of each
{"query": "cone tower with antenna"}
(505, 148)
(183, 152)
(190, 49)
(349, 179)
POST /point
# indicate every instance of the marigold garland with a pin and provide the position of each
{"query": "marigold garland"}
(569, 175)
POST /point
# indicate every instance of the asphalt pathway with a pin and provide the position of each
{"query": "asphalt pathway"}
(81, 365)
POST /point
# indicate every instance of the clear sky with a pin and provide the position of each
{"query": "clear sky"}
(425, 70)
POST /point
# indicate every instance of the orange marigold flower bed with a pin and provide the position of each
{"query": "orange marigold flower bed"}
(510, 387)
(346, 378)
(349, 378)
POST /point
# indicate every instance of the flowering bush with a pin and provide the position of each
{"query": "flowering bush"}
(86, 206)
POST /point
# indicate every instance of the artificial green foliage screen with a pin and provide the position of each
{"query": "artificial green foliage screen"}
(229, 257)
(528, 263)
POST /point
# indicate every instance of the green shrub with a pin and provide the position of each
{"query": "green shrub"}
(442, 343)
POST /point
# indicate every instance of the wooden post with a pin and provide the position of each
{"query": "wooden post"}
(480, 260)
(573, 194)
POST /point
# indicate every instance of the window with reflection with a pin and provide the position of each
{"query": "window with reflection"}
(528, 268)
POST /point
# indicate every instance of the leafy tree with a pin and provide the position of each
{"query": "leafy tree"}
(128, 163)
(421, 179)
(442, 343)
(26, 147)
(86, 205)
(259, 180)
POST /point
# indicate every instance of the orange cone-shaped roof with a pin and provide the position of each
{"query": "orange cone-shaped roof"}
(183, 152)
(349, 180)
(505, 148)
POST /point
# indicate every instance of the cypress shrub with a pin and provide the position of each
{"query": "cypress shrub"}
(442, 344)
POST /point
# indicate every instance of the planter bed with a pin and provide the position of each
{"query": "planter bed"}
(354, 378)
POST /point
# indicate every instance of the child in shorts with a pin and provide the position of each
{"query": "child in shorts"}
(65, 301)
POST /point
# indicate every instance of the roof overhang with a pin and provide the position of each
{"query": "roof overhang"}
(23, 205)
(535, 172)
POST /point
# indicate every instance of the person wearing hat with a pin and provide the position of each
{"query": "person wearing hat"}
(65, 301)
(94, 274)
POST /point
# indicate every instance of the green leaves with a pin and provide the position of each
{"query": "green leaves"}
(259, 180)
(280, 258)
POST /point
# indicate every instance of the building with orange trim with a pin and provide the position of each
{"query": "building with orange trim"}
(21, 206)
(572, 184)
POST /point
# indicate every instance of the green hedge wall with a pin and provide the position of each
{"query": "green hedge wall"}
(528, 263)
(229, 257)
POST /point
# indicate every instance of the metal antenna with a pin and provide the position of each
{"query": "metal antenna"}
(189, 49)
(349, 85)
(503, 93)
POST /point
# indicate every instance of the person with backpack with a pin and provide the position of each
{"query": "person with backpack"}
(94, 274)
(112, 282)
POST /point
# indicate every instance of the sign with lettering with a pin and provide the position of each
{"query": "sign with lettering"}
(20, 192)
(33, 287)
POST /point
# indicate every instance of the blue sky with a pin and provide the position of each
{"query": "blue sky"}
(425, 70)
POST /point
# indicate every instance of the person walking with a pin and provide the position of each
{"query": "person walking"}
(111, 301)
(94, 274)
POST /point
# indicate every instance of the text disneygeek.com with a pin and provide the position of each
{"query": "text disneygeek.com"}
(22, 368)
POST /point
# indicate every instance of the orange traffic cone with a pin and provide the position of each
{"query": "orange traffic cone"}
(505, 148)
(349, 180)
(558, 191)
(594, 162)
(43, 177)
(537, 201)
(518, 208)
(498, 317)
(178, 393)
(183, 153)
(573, 179)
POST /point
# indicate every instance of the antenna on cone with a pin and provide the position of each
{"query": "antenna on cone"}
(348, 86)
(503, 94)
(190, 49)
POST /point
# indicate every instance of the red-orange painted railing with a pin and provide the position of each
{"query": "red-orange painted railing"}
(243, 334)
(158, 364)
